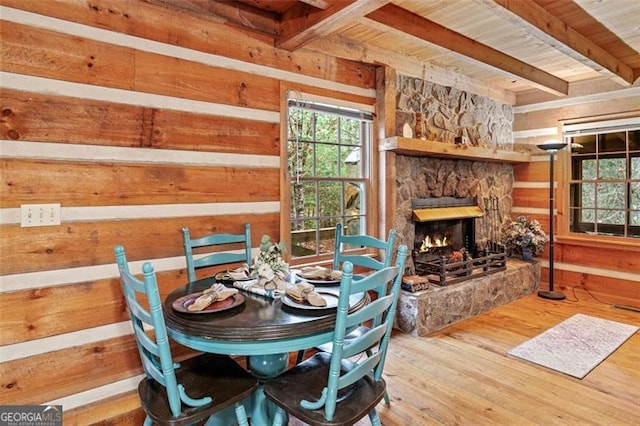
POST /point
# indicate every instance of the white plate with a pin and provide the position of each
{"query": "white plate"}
(329, 296)
(316, 281)
(321, 282)
(224, 277)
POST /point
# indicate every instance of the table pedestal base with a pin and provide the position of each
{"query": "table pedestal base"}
(265, 367)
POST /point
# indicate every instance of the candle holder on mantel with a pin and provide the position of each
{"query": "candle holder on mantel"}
(551, 146)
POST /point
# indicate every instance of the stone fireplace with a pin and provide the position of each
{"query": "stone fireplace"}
(433, 182)
(447, 113)
(451, 300)
(490, 185)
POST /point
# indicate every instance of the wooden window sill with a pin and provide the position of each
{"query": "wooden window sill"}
(603, 242)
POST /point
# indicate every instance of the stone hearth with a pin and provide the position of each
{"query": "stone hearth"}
(430, 310)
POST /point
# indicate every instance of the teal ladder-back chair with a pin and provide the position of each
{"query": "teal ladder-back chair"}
(340, 255)
(184, 393)
(215, 258)
(343, 386)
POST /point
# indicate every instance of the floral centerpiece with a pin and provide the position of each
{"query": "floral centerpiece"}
(524, 235)
(270, 267)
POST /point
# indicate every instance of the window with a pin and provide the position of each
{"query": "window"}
(605, 178)
(328, 150)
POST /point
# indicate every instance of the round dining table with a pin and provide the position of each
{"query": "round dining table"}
(263, 329)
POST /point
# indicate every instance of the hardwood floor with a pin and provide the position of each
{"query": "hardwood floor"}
(463, 376)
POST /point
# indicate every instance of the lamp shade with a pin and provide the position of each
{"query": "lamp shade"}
(552, 145)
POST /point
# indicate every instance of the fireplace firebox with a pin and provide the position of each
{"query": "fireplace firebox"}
(445, 236)
(445, 248)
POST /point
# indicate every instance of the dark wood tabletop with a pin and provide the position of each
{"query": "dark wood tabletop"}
(258, 319)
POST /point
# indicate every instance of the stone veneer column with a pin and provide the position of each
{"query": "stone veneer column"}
(448, 112)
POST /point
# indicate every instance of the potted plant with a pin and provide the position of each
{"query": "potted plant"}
(525, 236)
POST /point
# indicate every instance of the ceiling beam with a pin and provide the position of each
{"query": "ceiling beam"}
(303, 23)
(559, 35)
(233, 12)
(320, 4)
(398, 19)
(336, 45)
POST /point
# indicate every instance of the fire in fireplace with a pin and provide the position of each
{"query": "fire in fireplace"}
(445, 246)
(444, 225)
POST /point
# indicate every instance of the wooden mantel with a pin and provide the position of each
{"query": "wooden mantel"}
(426, 148)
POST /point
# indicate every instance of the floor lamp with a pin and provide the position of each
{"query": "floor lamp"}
(551, 147)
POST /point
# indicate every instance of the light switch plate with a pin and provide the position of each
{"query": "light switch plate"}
(39, 215)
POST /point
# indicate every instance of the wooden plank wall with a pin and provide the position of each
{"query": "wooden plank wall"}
(607, 267)
(139, 121)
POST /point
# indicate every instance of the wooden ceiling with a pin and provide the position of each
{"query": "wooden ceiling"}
(511, 48)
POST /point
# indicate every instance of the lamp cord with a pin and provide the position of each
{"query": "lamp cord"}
(576, 299)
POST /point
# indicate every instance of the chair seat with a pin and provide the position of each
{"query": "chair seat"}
(352, 335)
(306, 381)
(199, 375)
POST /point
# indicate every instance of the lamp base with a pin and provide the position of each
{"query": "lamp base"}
(553, 295)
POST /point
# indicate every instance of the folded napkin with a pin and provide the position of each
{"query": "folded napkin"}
(215, 293)
(319, 273)
(241, 273)
(274, 282)
(306, 292)
(254, 286)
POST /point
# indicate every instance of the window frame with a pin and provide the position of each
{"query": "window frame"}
(602, 232)
(367, 154)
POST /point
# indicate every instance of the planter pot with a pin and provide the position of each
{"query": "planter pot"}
(527, 254)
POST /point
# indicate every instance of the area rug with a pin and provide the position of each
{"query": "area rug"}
(575, 346)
